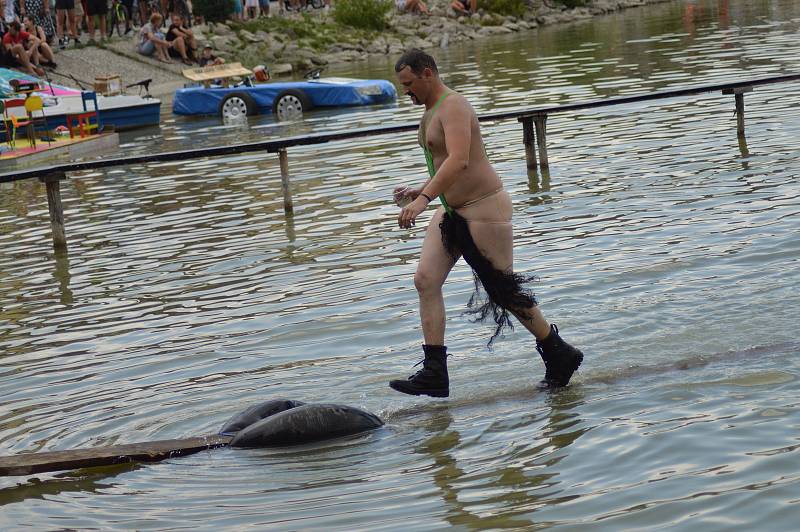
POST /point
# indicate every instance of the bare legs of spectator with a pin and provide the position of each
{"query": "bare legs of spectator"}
(65, 21)
(180, 45)
(26, 60)
(46, 52)
(416, 6)
(90, 23)
(162, 52)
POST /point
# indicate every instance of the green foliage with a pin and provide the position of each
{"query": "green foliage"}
(363, 14)
(514, 8)
(213, 10)
(295, 28)
(306, 31)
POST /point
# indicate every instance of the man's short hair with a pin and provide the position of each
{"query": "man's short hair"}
(14, 24)
(417, 61)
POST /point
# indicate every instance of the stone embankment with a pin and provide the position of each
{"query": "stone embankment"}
(284, 53)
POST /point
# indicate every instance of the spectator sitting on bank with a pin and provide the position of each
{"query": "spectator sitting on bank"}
(183, 43)
(20, 50)
(412, 6)
(151, 40)
(45, 52)
(464, 7)
(207, 58)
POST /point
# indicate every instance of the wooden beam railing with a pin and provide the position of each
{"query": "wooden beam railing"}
(534, 135)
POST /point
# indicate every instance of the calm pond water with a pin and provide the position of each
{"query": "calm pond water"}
(666, 249)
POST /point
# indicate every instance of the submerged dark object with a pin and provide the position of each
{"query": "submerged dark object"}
(306, 423)
(256, 413)
(276, 422)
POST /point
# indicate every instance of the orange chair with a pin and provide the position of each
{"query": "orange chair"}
(16, 122)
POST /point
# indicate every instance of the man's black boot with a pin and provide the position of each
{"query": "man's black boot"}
(432, 379)
(561, 360)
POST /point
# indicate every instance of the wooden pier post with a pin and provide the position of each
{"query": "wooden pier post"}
(283, 158)
(528, 139)
(53, 184)
(738, 95)
(540, 122)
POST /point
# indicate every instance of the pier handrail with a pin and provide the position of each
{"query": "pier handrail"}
(275, 146)
(534, 135)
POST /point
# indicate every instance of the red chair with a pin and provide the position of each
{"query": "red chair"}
(83, 121)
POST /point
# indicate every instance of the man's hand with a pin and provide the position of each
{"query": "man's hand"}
(404, 195)
(409, 213)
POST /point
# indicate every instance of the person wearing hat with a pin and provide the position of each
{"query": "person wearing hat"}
(207, 58)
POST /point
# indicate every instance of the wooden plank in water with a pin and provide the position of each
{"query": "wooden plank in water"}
(28, 464)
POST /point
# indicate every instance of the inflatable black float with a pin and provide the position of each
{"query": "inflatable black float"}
(282, 422)
(274, 423)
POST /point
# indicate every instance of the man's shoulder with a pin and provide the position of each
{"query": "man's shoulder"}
(456, 103)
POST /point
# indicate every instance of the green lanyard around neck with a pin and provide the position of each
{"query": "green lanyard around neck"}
(427, 152)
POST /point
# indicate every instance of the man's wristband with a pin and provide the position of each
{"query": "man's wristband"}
(430, 199)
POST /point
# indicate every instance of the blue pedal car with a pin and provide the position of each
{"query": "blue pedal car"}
(216, 94)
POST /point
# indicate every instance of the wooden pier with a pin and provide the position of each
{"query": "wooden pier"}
(534, 138)
(32, 463)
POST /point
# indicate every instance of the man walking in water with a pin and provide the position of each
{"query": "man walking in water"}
(467, 184)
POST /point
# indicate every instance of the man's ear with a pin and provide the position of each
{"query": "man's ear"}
(427, 73)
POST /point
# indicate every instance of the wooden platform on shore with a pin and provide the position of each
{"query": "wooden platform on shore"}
(28, 464)
(25, 155)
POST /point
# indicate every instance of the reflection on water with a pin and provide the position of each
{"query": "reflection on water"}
(665, 247)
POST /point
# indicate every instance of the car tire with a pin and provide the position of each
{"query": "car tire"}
(237, 105)
(290, 105)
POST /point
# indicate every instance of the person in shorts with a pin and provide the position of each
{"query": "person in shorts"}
(65, 19)
(183, 44)
(80, 12)
(99, 9)
(151, 40)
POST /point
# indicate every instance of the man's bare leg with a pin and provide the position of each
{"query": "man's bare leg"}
(434, 266)
(495, 242)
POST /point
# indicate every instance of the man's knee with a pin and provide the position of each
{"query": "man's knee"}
(426, 282)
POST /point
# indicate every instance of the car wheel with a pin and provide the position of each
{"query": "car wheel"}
(290, 105)
(237, 105)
